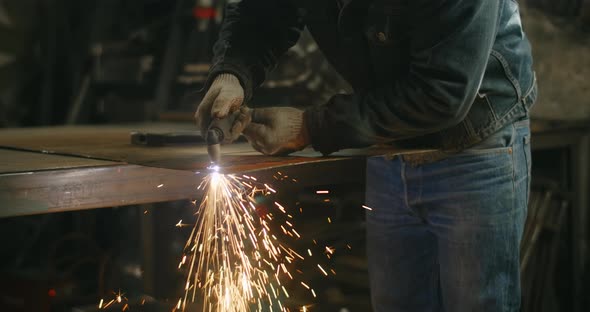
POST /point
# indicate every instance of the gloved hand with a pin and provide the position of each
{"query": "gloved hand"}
(233, 125)
(277, 130)
(225, 96)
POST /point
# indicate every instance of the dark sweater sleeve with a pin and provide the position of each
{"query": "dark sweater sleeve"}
(450, 45)
(253, 35)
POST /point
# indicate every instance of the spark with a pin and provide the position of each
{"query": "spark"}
(180, 224)
(367, 207)
(270, 188)
(109, 303)
(323, 192)
(160, 185)
(234, 261)
(322, 269)
(119, 298)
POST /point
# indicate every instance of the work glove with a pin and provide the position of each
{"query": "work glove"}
(233, 125)
(277, 130)
(225, 96)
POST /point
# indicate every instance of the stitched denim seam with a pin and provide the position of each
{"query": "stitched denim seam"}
(529, 162)
(532, 87)
(491, 127)
(512, 143)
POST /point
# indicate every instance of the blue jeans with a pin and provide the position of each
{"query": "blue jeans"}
(445, 235)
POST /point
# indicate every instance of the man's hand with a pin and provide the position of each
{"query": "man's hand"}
(277, 130)
(224, 97)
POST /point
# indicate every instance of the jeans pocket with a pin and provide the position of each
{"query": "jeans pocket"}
(475, 185)
(500, 142)
(480, 162)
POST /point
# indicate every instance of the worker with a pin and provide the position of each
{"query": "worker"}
(452, 79)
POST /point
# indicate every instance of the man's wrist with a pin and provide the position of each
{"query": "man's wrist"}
(320, 134)
(240, 72)
(225, 78)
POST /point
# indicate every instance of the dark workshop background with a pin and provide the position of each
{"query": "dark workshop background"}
(126, 61)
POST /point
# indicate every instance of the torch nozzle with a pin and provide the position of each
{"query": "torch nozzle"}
(219, 132)
(214, 139)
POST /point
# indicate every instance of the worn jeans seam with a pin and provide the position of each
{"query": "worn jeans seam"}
(512, 145)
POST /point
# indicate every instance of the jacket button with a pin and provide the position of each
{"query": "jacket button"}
(381, 36)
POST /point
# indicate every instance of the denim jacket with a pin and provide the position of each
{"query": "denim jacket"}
(426, 74)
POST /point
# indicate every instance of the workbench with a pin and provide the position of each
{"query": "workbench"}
(54, 169)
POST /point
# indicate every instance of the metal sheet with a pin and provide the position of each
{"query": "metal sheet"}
(18, 161)
(113, 143)
(119, 185)
(108, 170)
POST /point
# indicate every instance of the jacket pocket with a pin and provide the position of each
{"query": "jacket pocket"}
(508, 72)
(500, 86)
(386, 34)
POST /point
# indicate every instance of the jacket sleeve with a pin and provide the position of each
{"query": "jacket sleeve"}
(450, 45)
(253, 35)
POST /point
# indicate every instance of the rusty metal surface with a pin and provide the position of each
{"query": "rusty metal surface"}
(84, 167)
(12, 161)
(91, 187)
(107, 143)
(57, 190)
(113, 143)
